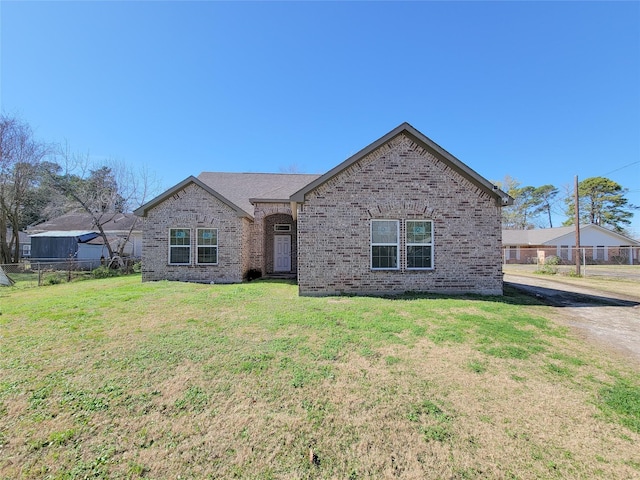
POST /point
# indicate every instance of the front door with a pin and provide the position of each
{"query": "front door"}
(282, 255)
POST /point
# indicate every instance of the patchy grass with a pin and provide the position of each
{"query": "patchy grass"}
(113, 378)
(617, 279)
(623, 400)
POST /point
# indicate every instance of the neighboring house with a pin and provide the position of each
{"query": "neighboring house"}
(25, 244)
(400, 215)
(120, 228)
(24, 241)
(84, 247)
(601, 245)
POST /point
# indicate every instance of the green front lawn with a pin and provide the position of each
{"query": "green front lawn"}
(115, 378)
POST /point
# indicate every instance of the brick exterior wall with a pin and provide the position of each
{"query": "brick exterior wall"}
(266, 215)
(398, 181)
(194, 208)
(270, 223)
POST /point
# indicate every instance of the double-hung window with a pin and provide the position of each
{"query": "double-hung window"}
(419, 244)
(413, 250)
(207, 246)
(179, 246)
(385, 244)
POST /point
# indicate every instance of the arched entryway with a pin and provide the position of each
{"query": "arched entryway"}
(280, 245)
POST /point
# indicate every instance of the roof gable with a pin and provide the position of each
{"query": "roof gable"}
(142, 211)
(592, 228)
(425, 142)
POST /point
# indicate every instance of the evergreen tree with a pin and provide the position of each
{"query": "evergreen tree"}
(602, 202)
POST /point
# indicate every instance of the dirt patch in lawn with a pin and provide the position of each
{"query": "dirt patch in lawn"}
(610, 319)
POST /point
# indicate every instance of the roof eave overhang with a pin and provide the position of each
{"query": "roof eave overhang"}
(269, 200)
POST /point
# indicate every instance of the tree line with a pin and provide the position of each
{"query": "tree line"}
(40, 181)
(601, 202)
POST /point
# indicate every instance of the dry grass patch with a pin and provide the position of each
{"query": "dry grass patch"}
(117, 379)
(617, 279)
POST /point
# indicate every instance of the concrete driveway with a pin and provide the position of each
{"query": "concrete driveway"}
(612, 320)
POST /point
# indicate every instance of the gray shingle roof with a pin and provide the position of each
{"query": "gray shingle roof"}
(242, 188)
(534, 237)
(541, 236)
(142, 211)
(84, 221)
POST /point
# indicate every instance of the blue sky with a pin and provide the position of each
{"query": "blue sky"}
(539, 91)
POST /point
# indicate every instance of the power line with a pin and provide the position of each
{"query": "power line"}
(621, 168)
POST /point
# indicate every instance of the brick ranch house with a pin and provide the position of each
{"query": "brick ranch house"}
(401, 215)
(599, 245)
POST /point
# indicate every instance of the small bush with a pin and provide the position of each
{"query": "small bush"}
(550, 266)
(252, 274)
(552, 260)
(53, 280)
(105, 272)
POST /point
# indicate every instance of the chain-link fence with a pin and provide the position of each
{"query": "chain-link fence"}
(566, 255)
(34, 274)
(615, 262)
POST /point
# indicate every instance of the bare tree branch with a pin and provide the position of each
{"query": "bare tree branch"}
(20, 155)
(103, 190)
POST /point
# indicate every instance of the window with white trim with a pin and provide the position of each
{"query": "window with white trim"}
(207, 246)
(385, 244)
(179, 246)
(419, 244)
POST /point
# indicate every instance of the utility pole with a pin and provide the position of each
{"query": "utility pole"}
(577, 222)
